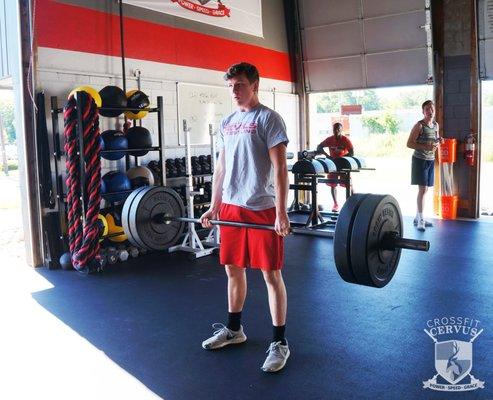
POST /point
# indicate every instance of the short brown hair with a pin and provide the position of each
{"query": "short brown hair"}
(427, 103)
(250, 71)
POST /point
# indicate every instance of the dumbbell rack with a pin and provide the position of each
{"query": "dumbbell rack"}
(197, 179)
(58, 153)
(192, 243)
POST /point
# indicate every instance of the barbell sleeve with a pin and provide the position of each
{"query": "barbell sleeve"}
(392, 241)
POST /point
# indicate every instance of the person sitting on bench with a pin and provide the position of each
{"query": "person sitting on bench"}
(339, 146)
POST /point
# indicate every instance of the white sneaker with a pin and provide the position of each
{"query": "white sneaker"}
(421, 225)
(278, 355)
(223, 336)
(428, 224)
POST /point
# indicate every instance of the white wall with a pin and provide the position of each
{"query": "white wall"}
(57, 75)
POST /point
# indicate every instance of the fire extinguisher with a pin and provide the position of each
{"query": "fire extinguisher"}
(470, 149)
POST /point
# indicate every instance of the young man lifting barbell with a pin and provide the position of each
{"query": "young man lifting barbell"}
(251, 185)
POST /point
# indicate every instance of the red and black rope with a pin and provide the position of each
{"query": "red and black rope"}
(83, 233)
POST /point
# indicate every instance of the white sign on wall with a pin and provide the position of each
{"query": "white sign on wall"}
(201, 105)
(238, 15)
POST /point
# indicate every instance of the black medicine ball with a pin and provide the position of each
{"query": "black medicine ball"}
(112, 97)
(138, 138)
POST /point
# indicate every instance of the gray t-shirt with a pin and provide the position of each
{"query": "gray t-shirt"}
(246, 137)
(428, 134)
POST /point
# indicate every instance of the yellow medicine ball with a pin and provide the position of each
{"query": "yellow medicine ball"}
(136, 99)
(89, 90)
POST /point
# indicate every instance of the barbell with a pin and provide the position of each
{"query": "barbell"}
(367, 238)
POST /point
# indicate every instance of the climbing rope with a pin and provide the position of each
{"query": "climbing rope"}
(83, 231)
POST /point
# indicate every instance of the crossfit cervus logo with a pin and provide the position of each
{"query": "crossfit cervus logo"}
(453, 358)
(199, 7)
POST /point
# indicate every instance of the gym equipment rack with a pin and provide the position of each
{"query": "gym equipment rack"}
(58, 153)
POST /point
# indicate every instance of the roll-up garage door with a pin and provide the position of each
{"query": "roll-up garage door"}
(485, 24)
(354, 44)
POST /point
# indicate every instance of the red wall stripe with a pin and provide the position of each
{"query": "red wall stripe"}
(70, 27)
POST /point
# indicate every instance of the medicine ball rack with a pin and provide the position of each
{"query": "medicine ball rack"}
(58, 152)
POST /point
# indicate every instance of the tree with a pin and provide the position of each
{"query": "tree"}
(391, 123)
(7, 112)
(386, 122)
(367, 98)
(414, 98)
(373, 124)
(331, 102)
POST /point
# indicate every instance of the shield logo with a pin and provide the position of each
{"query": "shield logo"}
(453, 360)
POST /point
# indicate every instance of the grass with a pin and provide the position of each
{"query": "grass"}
(13, 165)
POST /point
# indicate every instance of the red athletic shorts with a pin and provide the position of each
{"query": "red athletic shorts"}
(335, 175)
(247, 247)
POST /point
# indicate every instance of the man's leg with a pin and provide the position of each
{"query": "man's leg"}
(420, 205)
(278, 349)
(277, 296)
(421, 198)
(237, 288)
(232, 333)
(333, 192)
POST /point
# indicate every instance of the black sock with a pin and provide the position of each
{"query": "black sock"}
(278, 334)
(234, 321)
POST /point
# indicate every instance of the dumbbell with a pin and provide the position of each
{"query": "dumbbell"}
(103, 260)
(155, 168)
(206, 167)
(178, 168)
(170, 168)
(202, 160)
(208, 191)
(111, 255)
(133, 251)
(123, 255)
(194, 163)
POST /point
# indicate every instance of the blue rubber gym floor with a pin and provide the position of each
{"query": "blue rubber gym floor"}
(151, 314)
